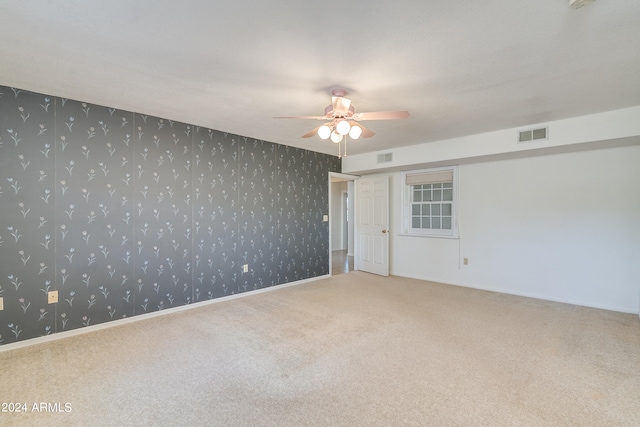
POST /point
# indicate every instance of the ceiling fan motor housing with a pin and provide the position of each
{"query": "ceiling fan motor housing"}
(328, 111)
(338, 92)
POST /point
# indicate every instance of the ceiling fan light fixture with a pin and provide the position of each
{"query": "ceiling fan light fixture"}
(355, 132)
(343, 127)
(324, 132)
(336, 137)
(340, 119)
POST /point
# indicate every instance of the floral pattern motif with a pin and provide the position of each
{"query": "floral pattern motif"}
(94, 214)
(125, 214)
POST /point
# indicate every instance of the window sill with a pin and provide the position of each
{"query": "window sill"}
(432, 236)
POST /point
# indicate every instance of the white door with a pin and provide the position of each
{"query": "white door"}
(372, 218)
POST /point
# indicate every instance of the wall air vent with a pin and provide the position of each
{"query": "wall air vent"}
(577, 4)
(533, 134)
(385, 157)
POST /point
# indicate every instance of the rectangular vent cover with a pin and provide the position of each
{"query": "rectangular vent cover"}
(533, 134)
(385, 158)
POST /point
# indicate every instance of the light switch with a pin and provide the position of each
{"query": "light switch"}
(325, 218)
(1, 303)
(245, 268)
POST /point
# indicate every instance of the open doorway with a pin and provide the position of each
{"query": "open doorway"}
(341, 221)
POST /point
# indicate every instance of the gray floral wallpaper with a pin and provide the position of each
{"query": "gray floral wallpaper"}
(125, 214)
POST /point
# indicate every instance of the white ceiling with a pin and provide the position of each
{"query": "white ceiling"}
(459, 67)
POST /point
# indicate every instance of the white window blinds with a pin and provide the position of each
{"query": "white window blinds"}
(429, 177)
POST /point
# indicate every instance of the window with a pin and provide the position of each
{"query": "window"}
(430, 202)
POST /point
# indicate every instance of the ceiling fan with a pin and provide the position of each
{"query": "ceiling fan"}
(342, 119)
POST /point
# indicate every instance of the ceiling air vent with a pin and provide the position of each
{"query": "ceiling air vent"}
(385, 157)
(533, 134)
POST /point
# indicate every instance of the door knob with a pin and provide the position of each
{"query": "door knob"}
(385, 231)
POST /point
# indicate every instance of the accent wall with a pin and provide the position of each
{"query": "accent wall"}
(125, 214)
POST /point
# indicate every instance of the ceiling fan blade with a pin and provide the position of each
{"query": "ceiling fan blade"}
(303, 117)
(366, 133)
(340, 104)
(381, 115)
(311, 133)
(315, 131)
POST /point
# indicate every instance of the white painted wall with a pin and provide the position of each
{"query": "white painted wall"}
(563, 227)
(607, 129)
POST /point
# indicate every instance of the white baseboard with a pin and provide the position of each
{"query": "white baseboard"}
(126, 320)
(523, 294)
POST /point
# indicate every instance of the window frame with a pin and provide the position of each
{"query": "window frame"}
(407, 200)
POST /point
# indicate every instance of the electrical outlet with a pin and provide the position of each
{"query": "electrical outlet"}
(53, 297)
(1, 303)
(466, 261)
(245, 268)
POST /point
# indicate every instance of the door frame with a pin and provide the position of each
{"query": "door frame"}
(345, 224)
(335, 222)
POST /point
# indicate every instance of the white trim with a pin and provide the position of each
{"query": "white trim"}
(146, 316)
(344, 244)
(433, 236)
(405, 213)
(344, 177)
(520, 294)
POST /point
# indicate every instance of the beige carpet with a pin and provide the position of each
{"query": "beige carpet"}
(353, 350)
